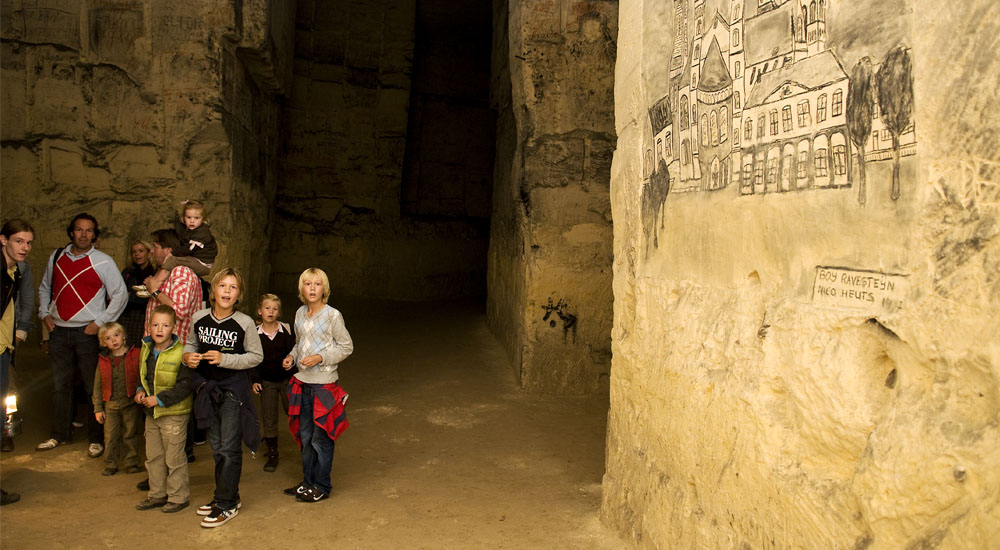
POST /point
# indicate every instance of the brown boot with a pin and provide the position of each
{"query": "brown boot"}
(272, 454)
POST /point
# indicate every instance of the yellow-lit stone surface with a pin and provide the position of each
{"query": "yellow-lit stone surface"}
(745, 413)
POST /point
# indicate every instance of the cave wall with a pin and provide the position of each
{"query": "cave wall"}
(386, 218)
(125, 109)
(802, 361)
(549, 273)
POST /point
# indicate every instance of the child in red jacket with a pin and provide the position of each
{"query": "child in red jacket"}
(115, 381)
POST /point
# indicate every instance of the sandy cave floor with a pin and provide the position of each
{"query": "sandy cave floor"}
(444, 451)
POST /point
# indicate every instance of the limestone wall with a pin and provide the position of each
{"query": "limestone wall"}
(346, 173)
(549, 273)
(124, 109)
(810, 364)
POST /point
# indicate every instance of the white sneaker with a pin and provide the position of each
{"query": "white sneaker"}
(95, 450)
(47, 444)
(218, 516)
(141, 291)
(206, 509)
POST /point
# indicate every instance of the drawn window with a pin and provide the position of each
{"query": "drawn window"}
(685, 153)
(821, 108)
(714, 128)
(786, 118)
(659, 147)
(772, 171)
(723, 124)
(774, 122)
(819, 15)
(739, 70)
(648, 163)
(736, 37)
(748, 130)
(715, 173)
(803, 160)
(736, 135)
(838, 102)
(758, 174)
(821, 163)
(875, 139)
(805, 117)
(736, 99)
(666, 146)
(685, 122)
(802, 19)
(747, 172)
(704, 130)
(839, 160)
(762, 125)
(886, 136)
(812, 11)
(736, 12)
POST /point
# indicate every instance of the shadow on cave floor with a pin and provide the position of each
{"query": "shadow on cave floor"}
(443, 451)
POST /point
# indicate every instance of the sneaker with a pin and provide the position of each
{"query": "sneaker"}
(171, 507)
(200, 443)
(218, 516)
(77, 424)
(47, 444)
(141, 291)
(311, 494)
(143, 485)
(109, 471)
(133, 469)
(149, 503)
(95, 450)
(297, 490)
(206, 509)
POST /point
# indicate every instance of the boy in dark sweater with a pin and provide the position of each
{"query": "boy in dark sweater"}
(223, 345)
(270, 378)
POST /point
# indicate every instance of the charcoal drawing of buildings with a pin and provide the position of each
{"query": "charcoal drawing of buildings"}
(757, 102)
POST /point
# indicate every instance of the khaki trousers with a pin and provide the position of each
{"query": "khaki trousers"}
(166, 461)
(121, 426)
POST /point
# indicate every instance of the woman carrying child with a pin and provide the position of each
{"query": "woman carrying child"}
(316, 414)
(223, 345)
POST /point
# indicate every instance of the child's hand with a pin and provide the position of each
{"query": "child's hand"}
(139, 396)
(100, 417)
(257, 387)
(288, 362)
(213, 357)
(191, 359)
(150, 401)
(311, 361)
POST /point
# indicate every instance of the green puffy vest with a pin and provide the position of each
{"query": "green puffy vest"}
(167, 366)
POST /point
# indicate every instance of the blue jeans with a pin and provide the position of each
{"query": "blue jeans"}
(317, 446)
(69, 350)
(226, 438)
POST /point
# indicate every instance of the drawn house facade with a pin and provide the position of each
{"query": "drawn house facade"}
(757, 101)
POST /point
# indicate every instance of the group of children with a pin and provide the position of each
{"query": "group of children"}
(226, 359)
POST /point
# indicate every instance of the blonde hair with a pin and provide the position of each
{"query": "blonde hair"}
(227, 272)
(110, 327)
(162, 309)
(194, 205)
(267, 298)
(319, 274)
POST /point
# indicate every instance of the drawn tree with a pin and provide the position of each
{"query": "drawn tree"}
(654, 195)
(860, 108)
(894, 81)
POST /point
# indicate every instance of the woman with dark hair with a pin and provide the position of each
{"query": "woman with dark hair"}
(134, 316)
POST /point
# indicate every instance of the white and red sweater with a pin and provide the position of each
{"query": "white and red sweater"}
(81, 289)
